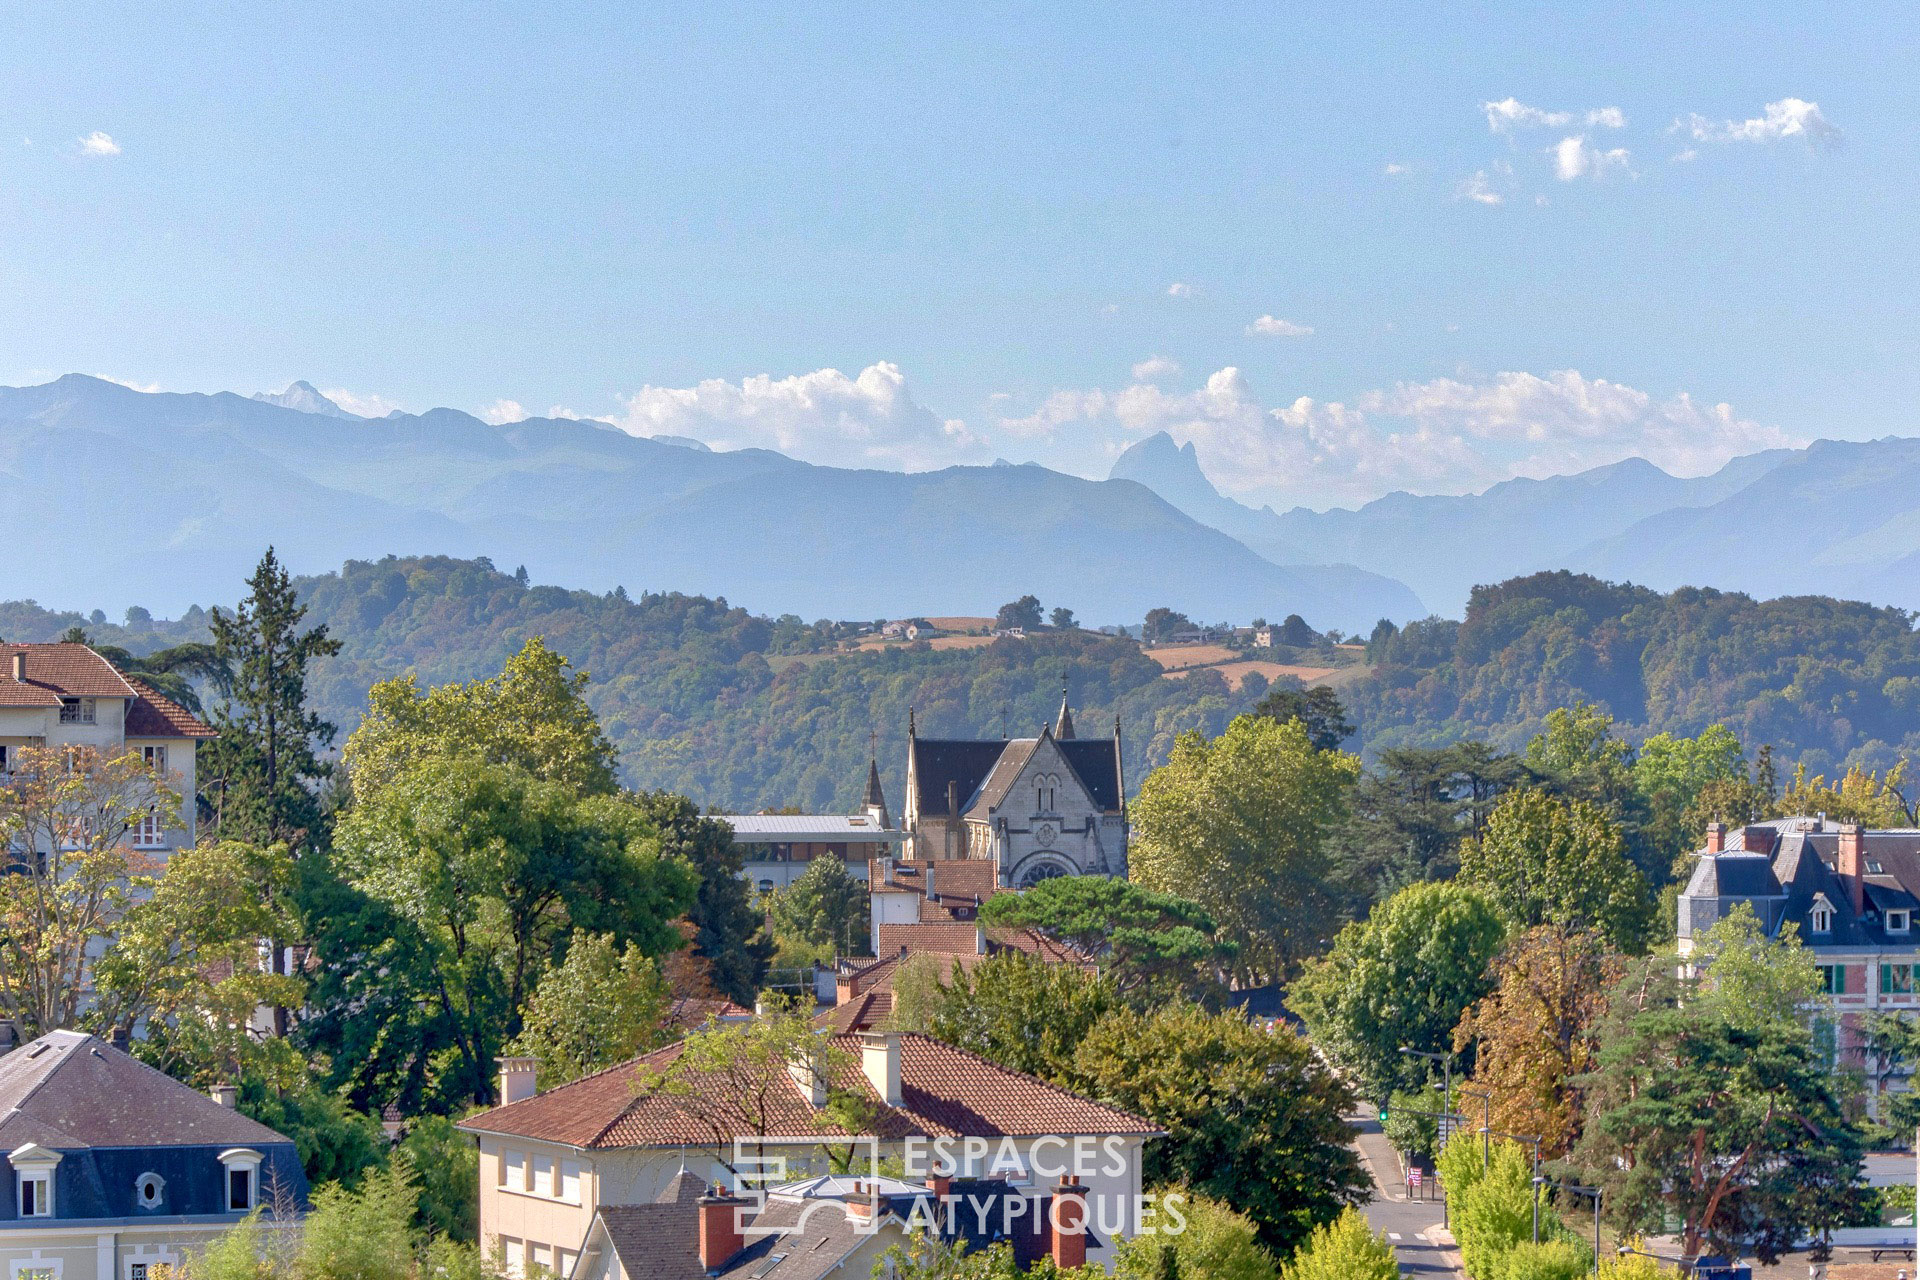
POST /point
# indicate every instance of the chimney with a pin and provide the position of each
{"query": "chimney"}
(1756, 839)
(517, 1080)
(1851, 864)
(979, 939)
(1067, 1224)
(808, 1077)
(880, 1059)
(20, 666)
(720, 1234)
(864, 1204)
(226, 1095)
(1716, 836)
(121, 1039)
(927, 882)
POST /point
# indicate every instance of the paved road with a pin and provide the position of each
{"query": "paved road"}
(1405, 1223)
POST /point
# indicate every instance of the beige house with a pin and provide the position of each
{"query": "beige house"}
(54, 695)
(550, 1162)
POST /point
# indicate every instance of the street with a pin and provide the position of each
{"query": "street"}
(1406, 1224)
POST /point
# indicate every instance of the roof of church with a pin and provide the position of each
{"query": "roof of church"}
(876, 798)
(1063, 725)
(983, 770)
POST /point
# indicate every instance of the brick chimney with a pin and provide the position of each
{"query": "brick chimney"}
(1852, 865)
(721, 1236)
(880, 1059)
(1067, 1224)
(1716, 837)
(863, 1206)
(517, 1080)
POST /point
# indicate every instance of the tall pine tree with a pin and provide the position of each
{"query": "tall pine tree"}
(266, 762)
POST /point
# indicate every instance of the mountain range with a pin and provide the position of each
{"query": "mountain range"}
(160, 499)
(1837, 518)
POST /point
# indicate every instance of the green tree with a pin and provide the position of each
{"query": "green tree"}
(1749, 978)
(1344, 1249)
(1143, 940)
(1318, 708)
(1019, 1011)
(1252, 1116)
(1239, 825)
(533, 716)
(1860, 795)
(367, 1234)
(1698, 1112)
(489, 869)
(1023, 613)
(1062, 620)
(1400, 979)
(917, 992)
(337, 1144)
(447, 1166)
(1549, 860)
(599, 1006)
(1214, 1241)
(727, 932)
(265, 765)
(1672, 774)
(822, 914)
(1413, 809)
(1162, 625)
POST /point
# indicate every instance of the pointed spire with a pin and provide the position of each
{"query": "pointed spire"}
(875, 800)
(911, 732)
(1063, 726)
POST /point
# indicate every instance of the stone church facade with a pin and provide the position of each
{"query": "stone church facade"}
(1036, 807)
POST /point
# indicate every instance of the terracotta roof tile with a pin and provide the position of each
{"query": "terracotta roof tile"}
(154, 715)
(55, 671)
(948, 937)
(944, 1091)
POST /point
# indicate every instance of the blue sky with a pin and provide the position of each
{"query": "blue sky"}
(911, 236)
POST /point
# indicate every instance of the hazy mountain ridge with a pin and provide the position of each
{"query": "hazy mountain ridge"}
(214, 478)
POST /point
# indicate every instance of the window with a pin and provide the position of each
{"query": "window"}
(513, 1171)
(565, 1266)
(6, 758)
(542, 1256)
(542, 1175)
(136, 1271)
(36, 1270)
(1833, 979)
(148, 833)
(1897, 921)
(149, 1190)
(516, 1256)
(1896, 979)
(1823, 919)
(76, 711)
(36, 1193)
(570, 1182)
(243, 1177)
(155, 758)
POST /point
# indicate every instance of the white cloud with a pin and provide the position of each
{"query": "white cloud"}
(502, 412)
(1573, 158)
(1179, 289)
(1684, 157)
(1274, 327)
(1446, 435)
(1154, 368)
(148, 387)
(1787, 118)
(1394, 170)
(99, 144)
(1479, 188)
(1510, 114)
(823, 416)
(367, 406)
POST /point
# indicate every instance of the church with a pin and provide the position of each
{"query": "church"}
(1052, 805)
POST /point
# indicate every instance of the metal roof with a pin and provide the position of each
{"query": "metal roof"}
(761, 827)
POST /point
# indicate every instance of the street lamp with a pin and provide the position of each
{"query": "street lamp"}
(1595, 1192)
(1486, 1124)
(1521, 1137)
(1446, 1066)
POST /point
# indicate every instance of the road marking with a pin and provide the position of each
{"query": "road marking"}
(1393, 1235)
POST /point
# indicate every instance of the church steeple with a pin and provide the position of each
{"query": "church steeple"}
(1063, 725)
(875, 801)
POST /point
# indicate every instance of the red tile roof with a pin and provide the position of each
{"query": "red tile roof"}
(944, 1091)
(946, 937)
(55, 671)
(154, 715)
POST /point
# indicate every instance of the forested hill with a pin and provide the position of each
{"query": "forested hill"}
(733, 709)
(741, 711)
(1827, 682)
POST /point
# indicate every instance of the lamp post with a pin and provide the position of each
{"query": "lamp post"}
(1446, 1066)
(1595, 1192)
(1521, 1137)
(1486, 1125)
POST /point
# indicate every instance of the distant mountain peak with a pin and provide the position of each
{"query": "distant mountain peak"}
(305, 398)
(684, 442)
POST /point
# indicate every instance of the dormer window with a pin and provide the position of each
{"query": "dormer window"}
(149, 1190)
(33, 1167)
(1822, 918)
(243, 1178)
(1898, 920)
